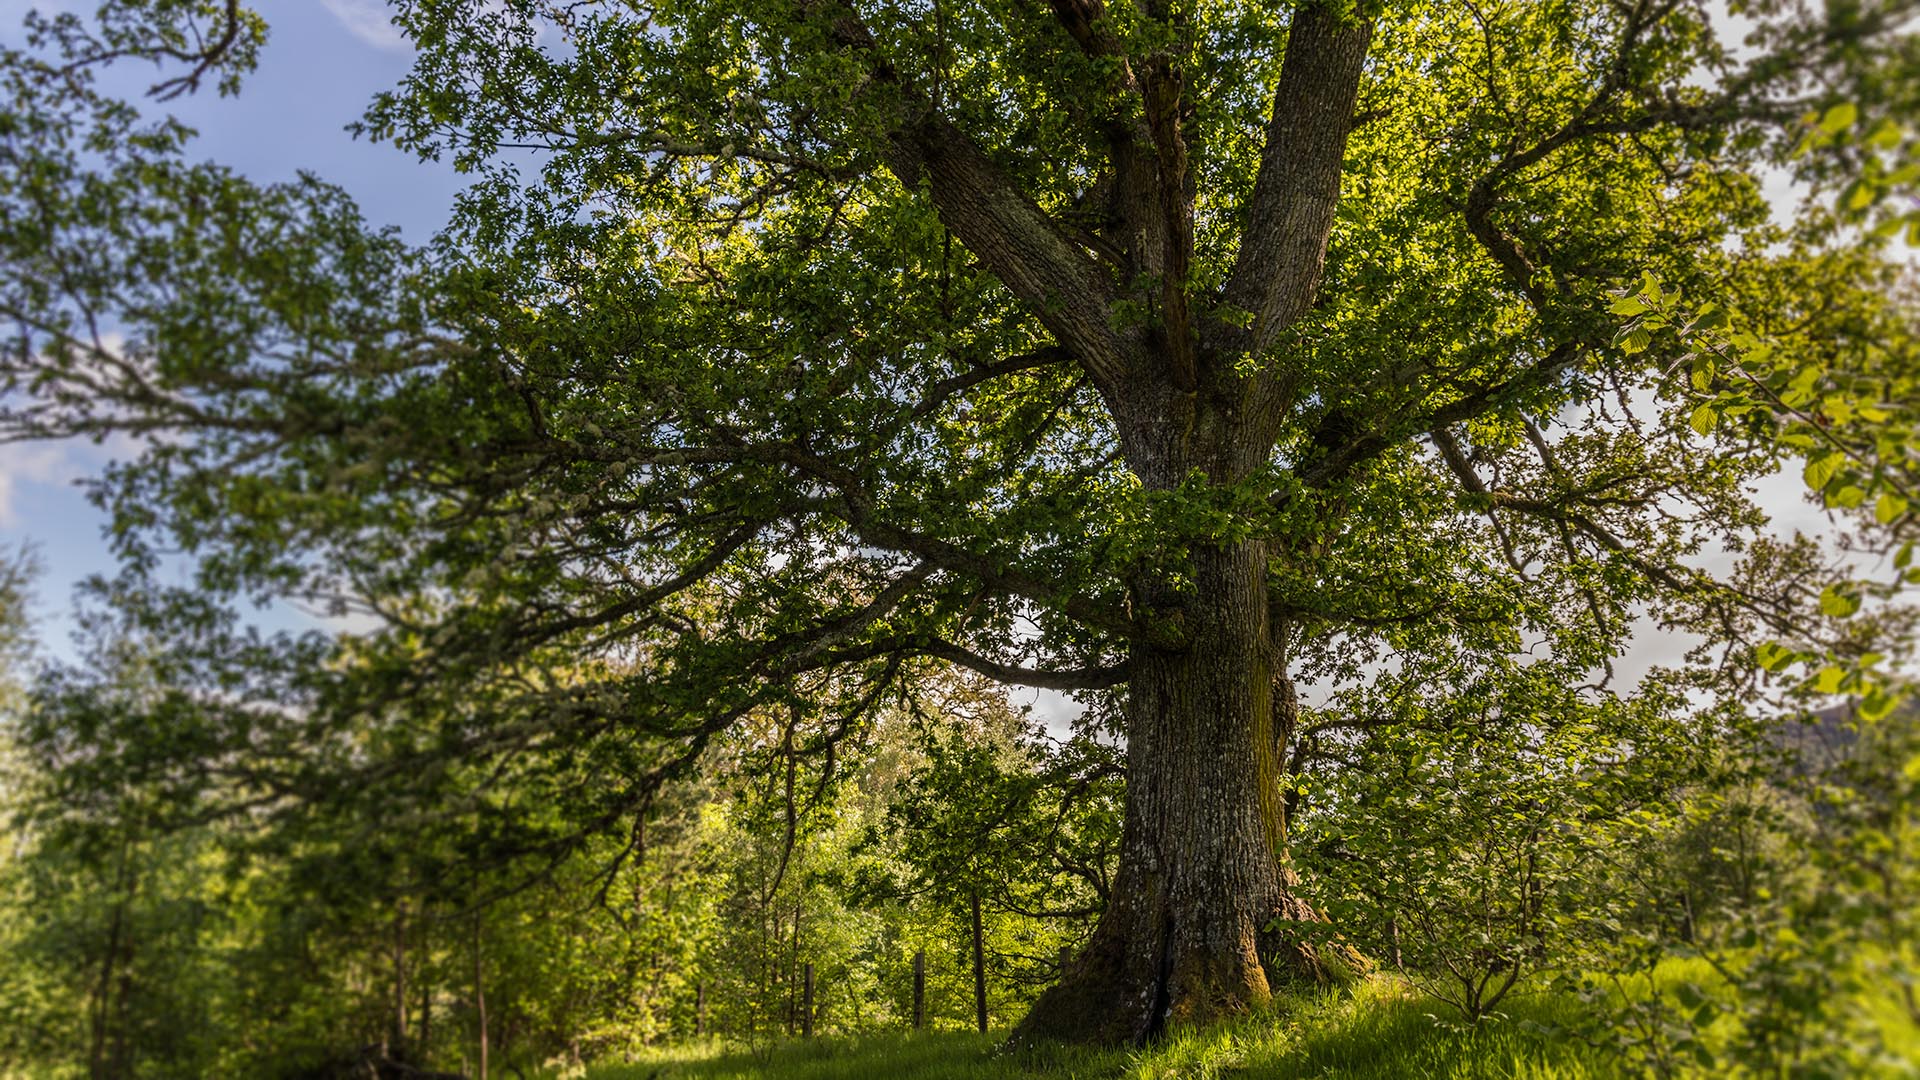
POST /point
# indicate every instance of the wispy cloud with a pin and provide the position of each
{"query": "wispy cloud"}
(31, 463)
(369, 20)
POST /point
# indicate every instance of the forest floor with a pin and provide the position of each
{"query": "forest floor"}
(1380, 1029)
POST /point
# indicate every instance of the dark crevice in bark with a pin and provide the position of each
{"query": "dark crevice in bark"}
(1162, 986)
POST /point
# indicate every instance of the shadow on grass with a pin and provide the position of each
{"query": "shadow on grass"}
(925, 1056)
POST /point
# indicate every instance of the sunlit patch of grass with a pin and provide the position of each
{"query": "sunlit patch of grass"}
(1379, 1028)
(1375, 1030)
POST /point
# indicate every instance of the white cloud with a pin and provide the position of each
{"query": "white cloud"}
(30, 463)
(59, 464)
(369, 20)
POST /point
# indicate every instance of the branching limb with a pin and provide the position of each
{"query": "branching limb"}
(1277, 272)
(1033, 255)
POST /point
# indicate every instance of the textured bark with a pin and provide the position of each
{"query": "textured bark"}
(1203, 871)
(1030, 252)
(1277, 271)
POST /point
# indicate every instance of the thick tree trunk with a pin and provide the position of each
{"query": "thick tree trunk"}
(1203, 871)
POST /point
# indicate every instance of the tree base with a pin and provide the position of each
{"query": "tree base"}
(1103, 999)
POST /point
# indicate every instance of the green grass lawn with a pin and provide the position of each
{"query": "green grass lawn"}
(1378, 1030)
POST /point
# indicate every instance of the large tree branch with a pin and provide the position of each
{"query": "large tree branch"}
(1152, 197)
(992, 572)
(1283, 250)
(530, 631)
(848, 500)
(941, 392)
(852, 504)
(1085, 21)
(1086, 678)
(1345, 454)
(1030, 253)
(1601, 115)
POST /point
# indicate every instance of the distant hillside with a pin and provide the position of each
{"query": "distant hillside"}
(1818, 741)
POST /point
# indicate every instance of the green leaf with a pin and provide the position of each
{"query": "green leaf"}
(1888, 508)
(1829, 680)
(1878, 703)
(1800, 389)
(1848, 497)
(1839, 118)
(1886, 135)
(1632, 339)
(1627, 305)
(1838, 602)
(1821, 470)
(1703, 419)
(1710, 317)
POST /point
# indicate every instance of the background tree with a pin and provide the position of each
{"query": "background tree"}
(1000, 821)
(145, 938)
(1469, 832)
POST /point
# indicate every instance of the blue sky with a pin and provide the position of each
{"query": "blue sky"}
(323, 61)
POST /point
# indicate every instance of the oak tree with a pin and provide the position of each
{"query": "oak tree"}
(1162, 352)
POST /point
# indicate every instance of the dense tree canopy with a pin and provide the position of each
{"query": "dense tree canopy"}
(1165, 353)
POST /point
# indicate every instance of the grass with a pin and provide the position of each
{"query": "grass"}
(1377, 1030)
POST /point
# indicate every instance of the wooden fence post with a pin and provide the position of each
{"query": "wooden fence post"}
(699, 1009)
(979, 971)
(806, 1004)
(919, 990)
(479, 997)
